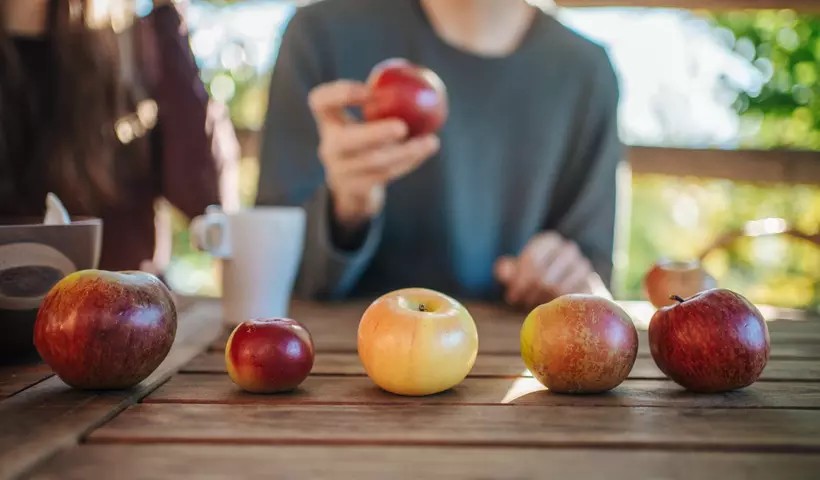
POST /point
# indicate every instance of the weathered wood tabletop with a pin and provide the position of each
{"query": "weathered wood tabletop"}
(189, 420)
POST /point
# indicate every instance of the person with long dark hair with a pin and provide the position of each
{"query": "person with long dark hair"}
(108, 111)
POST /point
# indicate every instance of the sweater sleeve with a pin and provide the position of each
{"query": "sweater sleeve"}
(291, 173)
(199, 148)
(584, 206)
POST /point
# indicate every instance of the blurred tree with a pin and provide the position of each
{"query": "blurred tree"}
(785, 47)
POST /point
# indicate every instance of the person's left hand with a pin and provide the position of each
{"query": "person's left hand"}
(548, 267)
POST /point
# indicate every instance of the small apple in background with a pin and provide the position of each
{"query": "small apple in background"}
(715, 341)
(413, 93)
(675, 278)
(102, 330)
(579, 343)
(417, 342)
(269, 355)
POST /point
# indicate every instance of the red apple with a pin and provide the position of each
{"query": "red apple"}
(417, 342)
(715, 341)
(579, 344)
(269, 355)
(415, 94)
(104, 330)
(667, 278)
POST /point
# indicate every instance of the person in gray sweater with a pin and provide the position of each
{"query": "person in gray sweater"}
(512, 200)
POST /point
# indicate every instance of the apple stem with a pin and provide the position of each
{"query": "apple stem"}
(677, 298)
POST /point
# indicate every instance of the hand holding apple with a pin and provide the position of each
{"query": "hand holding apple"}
(417, 342)
(360, 159)
(412, 93)
(668, 278)
(104, 330)
(579, 344)
(715, 341)
(269, 355)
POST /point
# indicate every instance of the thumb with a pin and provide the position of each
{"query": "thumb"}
(505, 269)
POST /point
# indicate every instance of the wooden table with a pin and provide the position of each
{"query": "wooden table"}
(188, 419)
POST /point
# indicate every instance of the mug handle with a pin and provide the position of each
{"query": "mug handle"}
(209, 233)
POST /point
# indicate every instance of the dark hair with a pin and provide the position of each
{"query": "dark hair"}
(77, 151)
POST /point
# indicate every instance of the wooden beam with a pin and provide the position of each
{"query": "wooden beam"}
(758, 166)
(799, 5)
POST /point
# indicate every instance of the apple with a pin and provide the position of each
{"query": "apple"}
(579, 343)
(417, 342)
(269, 355)
(667, 278)
(412, 93)
(102, 330)
(714, 341)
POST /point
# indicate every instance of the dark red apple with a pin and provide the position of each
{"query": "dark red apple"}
(269, 355)
(102, 330)
(667, 278)
(413, 93)
(715, 341)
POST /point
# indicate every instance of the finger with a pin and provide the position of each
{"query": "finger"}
(392, 161)
(530, 264)
(353, 138)
(504, 269)
(578, 280)
(329, 101)
(561, 265)
(538, 296)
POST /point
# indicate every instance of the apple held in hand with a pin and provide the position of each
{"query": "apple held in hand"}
(668, 278)
(412, 93)
(104, 330)
(715, 341)
(269, 355)
(579, 344)
(417, 342)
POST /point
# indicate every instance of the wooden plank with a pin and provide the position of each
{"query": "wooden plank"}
(137, 462)
(316, 390)
(759, 166)
(469, 425)
(333, 327)
(14, 379)
(51, 416)
(510, 366)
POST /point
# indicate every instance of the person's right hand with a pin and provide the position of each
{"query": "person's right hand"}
(361, 159)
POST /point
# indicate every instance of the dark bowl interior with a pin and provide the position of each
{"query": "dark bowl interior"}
(34, 257)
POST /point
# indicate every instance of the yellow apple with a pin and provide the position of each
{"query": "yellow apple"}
(417, 342)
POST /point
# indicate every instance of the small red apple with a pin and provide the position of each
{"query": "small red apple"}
(715, 341)
(269, 355)
(104, 330)
(579, 344)
(667, 278)
(415, 94)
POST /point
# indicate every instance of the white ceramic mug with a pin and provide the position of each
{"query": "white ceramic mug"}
(261, 249)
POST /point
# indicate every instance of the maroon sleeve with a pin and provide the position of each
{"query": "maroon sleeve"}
(199, 148)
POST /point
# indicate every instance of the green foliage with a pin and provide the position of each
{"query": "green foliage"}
(785, 47)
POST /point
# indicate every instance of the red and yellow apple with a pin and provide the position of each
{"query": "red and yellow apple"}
(103, 330)
(579, 343)
(269, 355)
(669, 278)
(417, 342)
(412, 93)
(715, 341)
